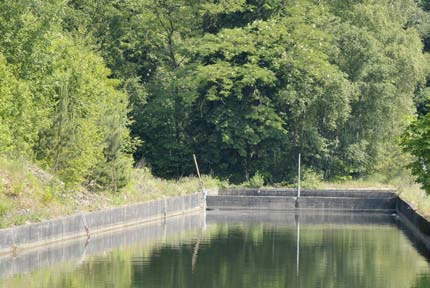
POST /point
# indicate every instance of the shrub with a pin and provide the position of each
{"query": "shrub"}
(256, 181)
(5, 205)
(311, 179)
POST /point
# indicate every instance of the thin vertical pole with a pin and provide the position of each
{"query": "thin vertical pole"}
(202, 188)
(298, 178)
(198, 172)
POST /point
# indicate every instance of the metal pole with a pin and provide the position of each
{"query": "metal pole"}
(298, 179)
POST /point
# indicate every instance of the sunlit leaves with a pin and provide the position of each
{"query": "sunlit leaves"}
(60, 107)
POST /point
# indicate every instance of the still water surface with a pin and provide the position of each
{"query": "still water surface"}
(249, 249)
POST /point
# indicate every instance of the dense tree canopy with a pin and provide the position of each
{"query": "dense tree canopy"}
(244, 84)
(59, 105)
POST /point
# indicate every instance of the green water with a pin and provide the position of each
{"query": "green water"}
(242, 251)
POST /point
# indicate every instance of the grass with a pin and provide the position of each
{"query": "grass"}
(24, 191)
(144, 186)
(411, 192)
(30, 194)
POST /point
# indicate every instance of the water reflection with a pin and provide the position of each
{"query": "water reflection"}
(76, 252)
(247, 249)
(298, 244)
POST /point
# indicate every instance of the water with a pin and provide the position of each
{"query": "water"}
(236, 249)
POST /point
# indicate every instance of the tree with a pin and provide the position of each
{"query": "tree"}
(266, 91)
(416, 141)
(89, 117)
(17, 133)
(66, 111)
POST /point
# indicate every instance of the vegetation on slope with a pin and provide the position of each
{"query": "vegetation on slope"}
(30, 194)
(89, 87)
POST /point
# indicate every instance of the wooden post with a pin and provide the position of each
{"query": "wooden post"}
(198, 172)
(202, 187)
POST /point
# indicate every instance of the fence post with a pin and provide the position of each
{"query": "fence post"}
(202, 187)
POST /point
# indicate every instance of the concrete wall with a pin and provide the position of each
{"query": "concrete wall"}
(75, 251)
(387, 204)
(251, 202)
(417, 225)
(13, 240)
(348, 204)
(307, 192)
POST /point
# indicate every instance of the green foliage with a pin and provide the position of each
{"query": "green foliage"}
(311, 179)
(256, 181)
(89, 117)
(416, 141)
(246, 85)
(59, 103)
(5, 205)
(385, 76)
(264, 82)
(17, 132)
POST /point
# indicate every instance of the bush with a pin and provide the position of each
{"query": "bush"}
(256, 181)
(311, 179)
(5, 205)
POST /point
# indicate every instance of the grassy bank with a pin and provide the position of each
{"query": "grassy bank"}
(30, 194)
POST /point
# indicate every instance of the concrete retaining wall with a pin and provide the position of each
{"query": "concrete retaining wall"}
(387, 204)
(251, 202)
(74, 251)
(67, 228)
(414, 222)
(348, 204)
(307, 192)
